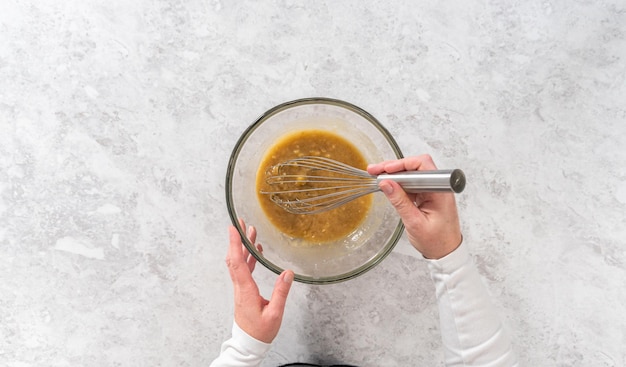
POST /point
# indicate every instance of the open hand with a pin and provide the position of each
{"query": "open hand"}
(257, 316)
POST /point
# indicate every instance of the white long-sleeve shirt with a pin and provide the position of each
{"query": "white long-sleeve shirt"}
(472, 332)
(241, 350)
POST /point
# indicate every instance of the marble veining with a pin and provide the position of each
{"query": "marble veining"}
(117, 119)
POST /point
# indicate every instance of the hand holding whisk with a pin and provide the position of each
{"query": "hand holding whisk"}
(311, 185)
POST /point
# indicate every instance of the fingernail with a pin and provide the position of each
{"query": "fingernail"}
(386, 188)
(288, 278)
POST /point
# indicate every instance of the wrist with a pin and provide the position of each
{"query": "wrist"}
(441, 251)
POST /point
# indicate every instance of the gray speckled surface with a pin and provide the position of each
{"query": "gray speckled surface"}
(117, 119)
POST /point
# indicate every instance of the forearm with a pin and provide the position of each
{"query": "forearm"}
(472, 332)
(241, 350)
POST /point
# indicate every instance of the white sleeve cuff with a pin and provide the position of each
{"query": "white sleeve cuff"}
(451, 262)
(241, 350)
(248, 343)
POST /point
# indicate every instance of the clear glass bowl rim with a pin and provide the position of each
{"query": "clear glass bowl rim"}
(391, 243)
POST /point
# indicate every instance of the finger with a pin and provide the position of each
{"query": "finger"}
(251, 263)
(376, 168)
(401, 201)
(252, 260)
(242, 224)
(235, 252)
(419, 198)
(421, 162)
(417, 163)
(280, 293)
(245, 254)
(244, 250)
(251, 234)
(239, 272)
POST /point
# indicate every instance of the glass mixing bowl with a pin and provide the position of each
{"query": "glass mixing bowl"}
(330, 262)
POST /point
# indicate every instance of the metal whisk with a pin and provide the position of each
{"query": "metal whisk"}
(311, 185)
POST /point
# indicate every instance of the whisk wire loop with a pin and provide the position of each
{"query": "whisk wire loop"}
(324, 164)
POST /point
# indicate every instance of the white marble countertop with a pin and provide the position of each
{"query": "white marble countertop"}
(117, 119)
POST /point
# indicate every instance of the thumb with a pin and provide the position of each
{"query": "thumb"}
(400, 200)
(281, 290)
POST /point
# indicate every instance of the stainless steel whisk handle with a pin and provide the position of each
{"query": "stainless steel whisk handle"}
(447, 180)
